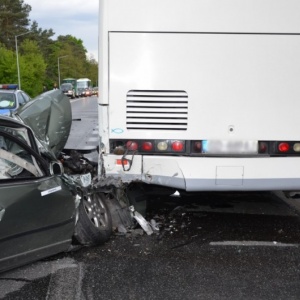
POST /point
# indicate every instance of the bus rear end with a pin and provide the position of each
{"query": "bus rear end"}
(200, 95)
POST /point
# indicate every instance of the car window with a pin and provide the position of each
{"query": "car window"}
(66, 86)
(15, 160)
(7, 100)
(20, 133)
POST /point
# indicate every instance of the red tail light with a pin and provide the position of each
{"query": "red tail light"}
(197, 146)
(283, 147)
(147, 146)
(177, 146)
(131, 145)
(263, 147)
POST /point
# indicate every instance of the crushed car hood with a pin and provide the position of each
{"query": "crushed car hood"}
(49, 115)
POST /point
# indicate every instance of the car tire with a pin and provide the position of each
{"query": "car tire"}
(94, 225)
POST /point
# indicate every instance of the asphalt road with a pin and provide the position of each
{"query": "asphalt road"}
(84, 107)
(209, 246)
(84, 130)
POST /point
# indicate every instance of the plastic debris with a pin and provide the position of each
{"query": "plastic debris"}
(136, 232)
(154, 225)
(122, 229)
(176, 194)
(141, 220)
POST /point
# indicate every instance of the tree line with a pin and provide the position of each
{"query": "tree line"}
(38, 51)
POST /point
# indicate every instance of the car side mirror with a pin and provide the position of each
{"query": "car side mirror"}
(56, 168)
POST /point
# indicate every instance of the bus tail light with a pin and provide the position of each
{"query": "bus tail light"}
(162, 146)
(147, 146)
(177, 146)
(283, 147)
(296, 147)
(197, 146)
(263, 147)
(132, 145)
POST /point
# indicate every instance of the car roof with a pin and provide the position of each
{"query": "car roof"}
(8, 91)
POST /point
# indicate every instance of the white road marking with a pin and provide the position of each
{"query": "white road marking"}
(252, 243)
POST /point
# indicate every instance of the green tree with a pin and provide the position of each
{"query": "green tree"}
(75, 63)
(46, 44)
(8, 66)
(92, 70)
(14, 20)
(32, 68)
(42, 37)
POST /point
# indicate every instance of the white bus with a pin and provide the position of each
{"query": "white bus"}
(83, 85)
(200, 95)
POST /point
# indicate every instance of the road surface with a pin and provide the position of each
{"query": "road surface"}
(209, 246)
(84, 130)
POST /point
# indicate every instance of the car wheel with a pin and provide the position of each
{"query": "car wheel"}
(94, 224)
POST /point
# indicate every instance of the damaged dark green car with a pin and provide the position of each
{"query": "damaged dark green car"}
(47, 203)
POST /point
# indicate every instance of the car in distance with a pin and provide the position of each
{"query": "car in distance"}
(68, 90)
(11, 98)
(87, 92)
(95, 91)
(47, 204)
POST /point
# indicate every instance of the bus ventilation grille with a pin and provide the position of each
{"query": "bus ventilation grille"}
(157, 110)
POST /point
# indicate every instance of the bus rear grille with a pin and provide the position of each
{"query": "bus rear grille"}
(157, 110)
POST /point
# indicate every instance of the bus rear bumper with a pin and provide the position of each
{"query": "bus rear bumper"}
(210, 173)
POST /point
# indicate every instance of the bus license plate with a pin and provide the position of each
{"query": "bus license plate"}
(229, 147)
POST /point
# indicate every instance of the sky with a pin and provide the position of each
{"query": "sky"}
(77, 18)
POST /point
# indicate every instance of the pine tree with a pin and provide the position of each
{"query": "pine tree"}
(14, 20)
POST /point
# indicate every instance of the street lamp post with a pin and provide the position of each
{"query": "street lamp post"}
(17, 54)
(59, 68)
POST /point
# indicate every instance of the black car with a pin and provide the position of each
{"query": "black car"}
(47, 203)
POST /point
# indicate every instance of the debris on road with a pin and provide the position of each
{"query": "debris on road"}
(141, 220)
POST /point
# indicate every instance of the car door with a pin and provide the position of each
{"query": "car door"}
(37, 210)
